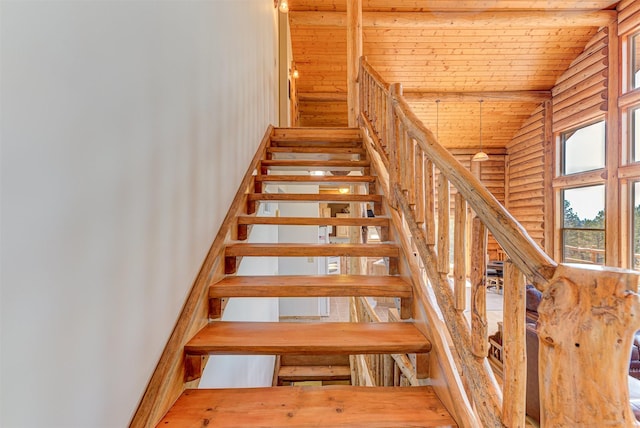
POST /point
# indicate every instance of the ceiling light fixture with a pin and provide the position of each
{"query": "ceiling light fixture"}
(480, 156)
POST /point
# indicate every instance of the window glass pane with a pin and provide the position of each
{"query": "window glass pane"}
(636, 227)
(635, 61)
(583, 246)
(584, 148)
(583, 235)
(634, 133)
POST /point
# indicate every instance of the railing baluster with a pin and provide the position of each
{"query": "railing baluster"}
(459, 256)
(411, 171)
(419, 185)
(443, 224)
(479, 337)
(430, 203)
(514, 353)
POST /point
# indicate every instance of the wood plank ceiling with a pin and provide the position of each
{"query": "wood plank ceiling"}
(502, 51)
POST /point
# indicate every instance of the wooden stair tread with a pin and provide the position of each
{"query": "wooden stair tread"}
(310, 286)
(315, 221)
(314, 360)
(310, 197)
(316, 134)
(318, 149)
(316, 178)
(272, 338)
(312, 250)
(317, 164)
(299, 373)
(327, 406)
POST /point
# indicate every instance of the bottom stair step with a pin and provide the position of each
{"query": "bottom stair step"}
(328, 406)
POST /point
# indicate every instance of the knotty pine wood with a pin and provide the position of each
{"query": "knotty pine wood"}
(309, 179)
(269, 338)
(311, 250)
(316, 221)
(447, 5)
(309, 197)
(314, 373)
(311, 285)
(330, 406)
(526, 181)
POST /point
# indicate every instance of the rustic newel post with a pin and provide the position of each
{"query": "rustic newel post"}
(354, 52)
(587, 321)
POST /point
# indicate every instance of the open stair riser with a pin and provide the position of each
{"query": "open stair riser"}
(342, 153)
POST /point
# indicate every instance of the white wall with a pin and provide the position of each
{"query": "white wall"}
(126, 129)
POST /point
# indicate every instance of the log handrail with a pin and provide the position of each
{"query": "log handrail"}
(421, 173)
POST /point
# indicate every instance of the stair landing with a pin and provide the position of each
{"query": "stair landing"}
(327, 406)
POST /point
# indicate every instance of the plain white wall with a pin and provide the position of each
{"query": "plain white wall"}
(126, 129)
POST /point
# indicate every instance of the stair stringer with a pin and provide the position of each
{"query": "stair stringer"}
(444, 368)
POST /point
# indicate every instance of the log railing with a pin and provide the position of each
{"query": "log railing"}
(584, 312)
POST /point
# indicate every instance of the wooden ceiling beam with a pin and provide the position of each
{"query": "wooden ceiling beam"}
(495, 96)
(455, 20)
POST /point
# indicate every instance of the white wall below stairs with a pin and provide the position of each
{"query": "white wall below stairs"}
(126, 129)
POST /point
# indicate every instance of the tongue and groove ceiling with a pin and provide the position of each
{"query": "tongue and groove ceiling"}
(507, 52)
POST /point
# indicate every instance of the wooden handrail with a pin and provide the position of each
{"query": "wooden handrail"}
(412, 159)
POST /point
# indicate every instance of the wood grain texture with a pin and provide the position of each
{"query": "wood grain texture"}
(314, 373)
(329, 406)
(305, 197)
(312, 250)
(583, 313)
(270, 338)
(316, 221)
(310, 285)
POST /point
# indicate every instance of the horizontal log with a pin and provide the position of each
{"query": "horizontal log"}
(494, 19)
(507, 96)
(564, 92)
(597, 69)
(596, 90)
(586, 115)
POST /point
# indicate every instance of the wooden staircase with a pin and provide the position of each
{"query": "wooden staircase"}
(306, 348)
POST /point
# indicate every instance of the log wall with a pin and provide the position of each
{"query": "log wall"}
(525, 175)
(579, 96)
(323, 113)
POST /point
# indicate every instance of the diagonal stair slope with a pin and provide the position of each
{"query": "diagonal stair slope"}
(340, 154)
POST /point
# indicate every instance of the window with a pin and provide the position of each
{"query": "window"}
(635, 222)
(634, 61)
(583, 235)
(583, 149)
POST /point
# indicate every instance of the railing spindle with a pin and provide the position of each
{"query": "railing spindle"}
(459, 256)
(443, 224)
(479, 336)
(419, 185)
(514, 352)
(430, 203)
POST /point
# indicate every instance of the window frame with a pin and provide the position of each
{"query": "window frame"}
(561, 147)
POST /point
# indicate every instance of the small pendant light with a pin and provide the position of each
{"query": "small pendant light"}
(480, 156)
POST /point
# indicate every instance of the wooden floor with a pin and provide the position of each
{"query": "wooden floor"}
(327, 406)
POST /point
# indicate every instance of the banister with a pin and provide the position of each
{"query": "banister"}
(585, 311)
(511, 236)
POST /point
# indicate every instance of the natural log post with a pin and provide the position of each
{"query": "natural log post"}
(514, 353)
(459, 256)
(479, 335)
(443, 224)
(354, 52)
(392, 141)
(587, 321)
